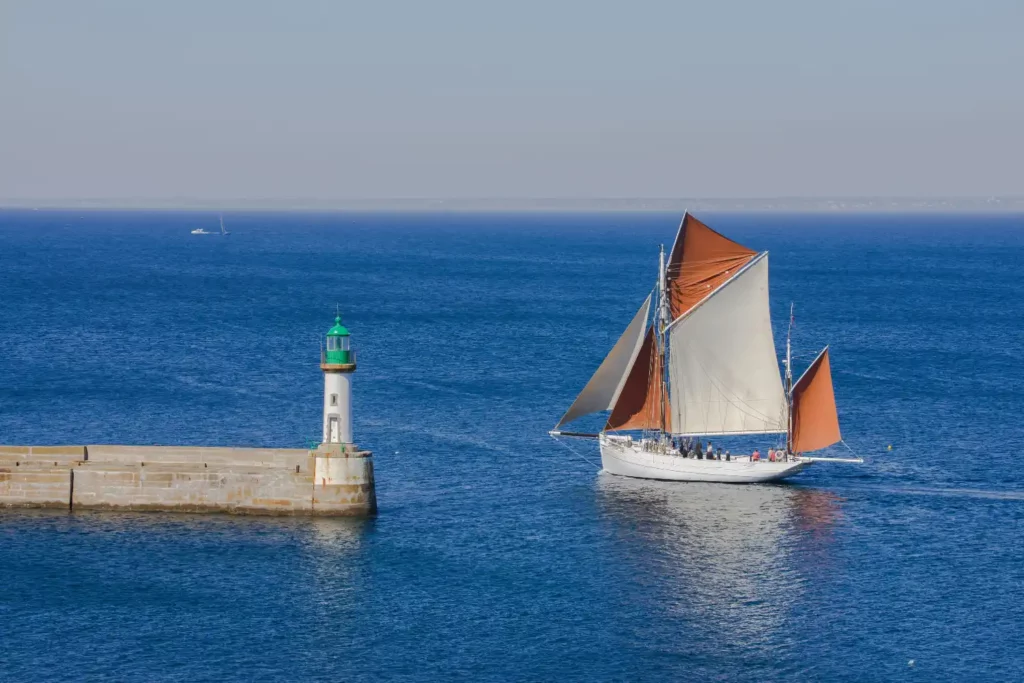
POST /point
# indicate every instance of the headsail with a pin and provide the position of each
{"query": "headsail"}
(815, 420)
(604, 387)
(701, 261)
(723, 372)
(639, 406)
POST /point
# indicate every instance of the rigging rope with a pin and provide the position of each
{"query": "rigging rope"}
(571, 450)
(855, 453)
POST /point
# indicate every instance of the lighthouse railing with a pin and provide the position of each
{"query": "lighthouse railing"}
(351, 356)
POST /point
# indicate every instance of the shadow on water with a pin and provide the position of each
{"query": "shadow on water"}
(730, 559)
(323, 537)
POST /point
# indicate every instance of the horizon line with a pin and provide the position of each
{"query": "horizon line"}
(538, 204)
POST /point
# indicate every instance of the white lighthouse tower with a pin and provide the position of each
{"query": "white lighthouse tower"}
(342, 472)
(338, 363)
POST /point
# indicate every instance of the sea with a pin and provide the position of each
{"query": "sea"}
(499, 553)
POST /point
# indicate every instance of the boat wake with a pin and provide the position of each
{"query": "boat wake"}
(949, 493)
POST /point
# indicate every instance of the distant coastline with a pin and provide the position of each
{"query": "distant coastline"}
(551, 205)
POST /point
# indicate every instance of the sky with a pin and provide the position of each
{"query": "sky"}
(332, 101)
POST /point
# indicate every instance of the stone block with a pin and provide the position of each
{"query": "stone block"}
(24, 487)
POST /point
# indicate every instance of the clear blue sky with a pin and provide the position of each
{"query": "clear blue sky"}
(382, 99)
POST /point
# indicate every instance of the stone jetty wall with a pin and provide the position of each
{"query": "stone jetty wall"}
(332, 480)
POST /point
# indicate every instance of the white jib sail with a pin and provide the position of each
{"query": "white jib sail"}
(723, 372)
(603, 389)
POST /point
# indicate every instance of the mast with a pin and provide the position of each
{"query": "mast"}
(660, 322)
(789, 383)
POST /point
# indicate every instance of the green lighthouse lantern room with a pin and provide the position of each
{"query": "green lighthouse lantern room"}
(338, 350)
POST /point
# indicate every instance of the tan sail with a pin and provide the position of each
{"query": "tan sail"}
(701, 260)
(639, 405)
(604, 387)
(815, 421)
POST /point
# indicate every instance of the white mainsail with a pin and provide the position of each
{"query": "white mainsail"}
(603, 389)
(723, 373)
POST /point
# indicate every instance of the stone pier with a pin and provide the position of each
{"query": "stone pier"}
(332, 480)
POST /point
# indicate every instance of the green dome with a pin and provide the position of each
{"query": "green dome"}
(338, 330)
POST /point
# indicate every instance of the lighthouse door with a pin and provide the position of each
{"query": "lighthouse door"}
(332, 429)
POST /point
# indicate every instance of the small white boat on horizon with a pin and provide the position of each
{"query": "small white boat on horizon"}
(201, 231)
(697, 361)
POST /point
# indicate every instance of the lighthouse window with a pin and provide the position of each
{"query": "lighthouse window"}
(344, 343)
(334, 399)
(332, 343)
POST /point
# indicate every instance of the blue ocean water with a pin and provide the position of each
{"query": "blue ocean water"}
(498, 554)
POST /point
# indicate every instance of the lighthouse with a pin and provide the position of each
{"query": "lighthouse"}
(342, 472)
(338, 362)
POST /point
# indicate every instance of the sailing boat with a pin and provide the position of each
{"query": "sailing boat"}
(698, 361)
(222, 230)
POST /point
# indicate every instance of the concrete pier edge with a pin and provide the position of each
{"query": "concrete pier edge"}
(332, 480)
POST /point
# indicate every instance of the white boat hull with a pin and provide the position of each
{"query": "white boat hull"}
(627, 458)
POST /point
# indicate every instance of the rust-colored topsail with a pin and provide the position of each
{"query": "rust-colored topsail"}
(815, 421)
(700, 261)
(639, 404)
